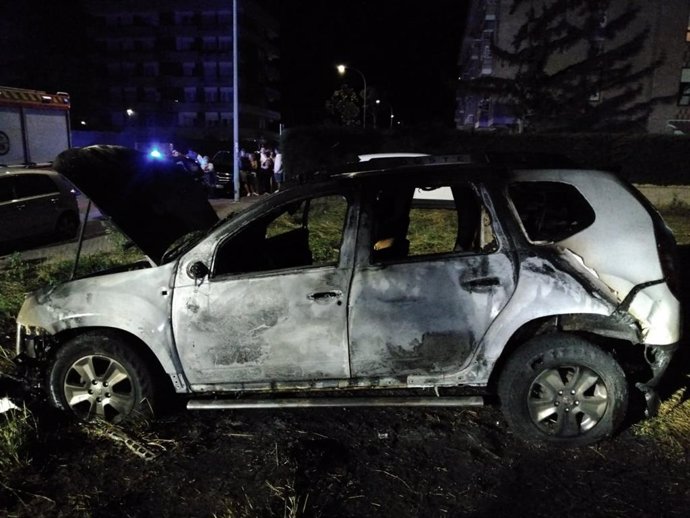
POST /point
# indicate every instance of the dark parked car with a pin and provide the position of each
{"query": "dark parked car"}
(36, 203)
(223, 171)
(525, 283)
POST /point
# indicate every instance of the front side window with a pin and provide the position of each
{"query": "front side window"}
(429, 220)
(550, 211)
(305, 233)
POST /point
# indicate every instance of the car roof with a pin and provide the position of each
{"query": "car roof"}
(488, 163)
(20, 171)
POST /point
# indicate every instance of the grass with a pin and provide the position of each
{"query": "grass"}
(671, 428)
(432, 231)
(679, 222)
(17, 428)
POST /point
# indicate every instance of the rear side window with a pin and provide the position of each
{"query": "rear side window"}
(6, 189)
(550, 211)
(34, 185)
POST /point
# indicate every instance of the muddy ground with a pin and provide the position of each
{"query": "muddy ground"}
(341, 463)
(336, 462)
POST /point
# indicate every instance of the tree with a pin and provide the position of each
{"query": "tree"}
(574, 68)
(344, 106)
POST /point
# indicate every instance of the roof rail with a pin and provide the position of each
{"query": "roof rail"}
(511, 160)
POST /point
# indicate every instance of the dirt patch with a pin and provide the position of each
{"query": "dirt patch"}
(340, 462)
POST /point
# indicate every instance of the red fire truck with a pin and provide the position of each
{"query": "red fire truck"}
(34, 126)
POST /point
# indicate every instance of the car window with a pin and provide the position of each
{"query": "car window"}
(34, 185)
(6, 189)
(550, 211)
(424, 220)
(307, 232)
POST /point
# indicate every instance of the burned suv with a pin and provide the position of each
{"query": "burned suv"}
(554, 289)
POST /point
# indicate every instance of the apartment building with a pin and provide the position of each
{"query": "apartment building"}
(168, 73)
(668, 40)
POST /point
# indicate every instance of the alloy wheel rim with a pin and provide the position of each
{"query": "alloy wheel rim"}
(99, 386)
(567, 401)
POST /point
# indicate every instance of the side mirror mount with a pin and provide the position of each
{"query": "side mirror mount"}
(197, 270)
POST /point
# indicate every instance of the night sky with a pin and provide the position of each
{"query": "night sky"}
(408, 51)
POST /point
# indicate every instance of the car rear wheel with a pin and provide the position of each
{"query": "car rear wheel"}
(97, 376)
(563, 389)
(67, 226)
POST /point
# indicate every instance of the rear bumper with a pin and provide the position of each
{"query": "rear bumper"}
(658, 358)
(658, 312)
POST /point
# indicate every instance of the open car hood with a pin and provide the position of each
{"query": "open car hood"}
(154, 202)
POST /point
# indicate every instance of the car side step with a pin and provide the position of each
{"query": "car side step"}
(237, 404)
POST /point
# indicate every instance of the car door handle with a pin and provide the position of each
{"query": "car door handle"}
(325, 296)
(481, 284)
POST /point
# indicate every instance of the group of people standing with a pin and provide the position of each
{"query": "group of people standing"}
(260, 171)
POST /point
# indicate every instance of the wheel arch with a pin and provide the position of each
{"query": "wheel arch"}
(69, 213)
(614, 333)
(161, 379)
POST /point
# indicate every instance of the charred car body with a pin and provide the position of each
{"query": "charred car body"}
(553, 288)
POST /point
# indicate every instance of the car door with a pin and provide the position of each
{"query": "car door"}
(274, 306)
(11, 227)
(429, 279)
(37, 204)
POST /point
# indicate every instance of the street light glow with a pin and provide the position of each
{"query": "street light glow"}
(130, 112)
(341, 69)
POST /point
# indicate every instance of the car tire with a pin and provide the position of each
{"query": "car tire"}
(562, 389)
(98, 376)
(67, 225)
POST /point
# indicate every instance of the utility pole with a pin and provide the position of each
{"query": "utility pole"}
(235, 107)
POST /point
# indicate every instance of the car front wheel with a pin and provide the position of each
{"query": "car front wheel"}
(100, 376)
(563, 389)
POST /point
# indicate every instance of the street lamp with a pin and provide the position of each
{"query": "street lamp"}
(390, 107)
(344, 68)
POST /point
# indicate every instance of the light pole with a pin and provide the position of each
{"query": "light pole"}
(235, 106)
(344, 68)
